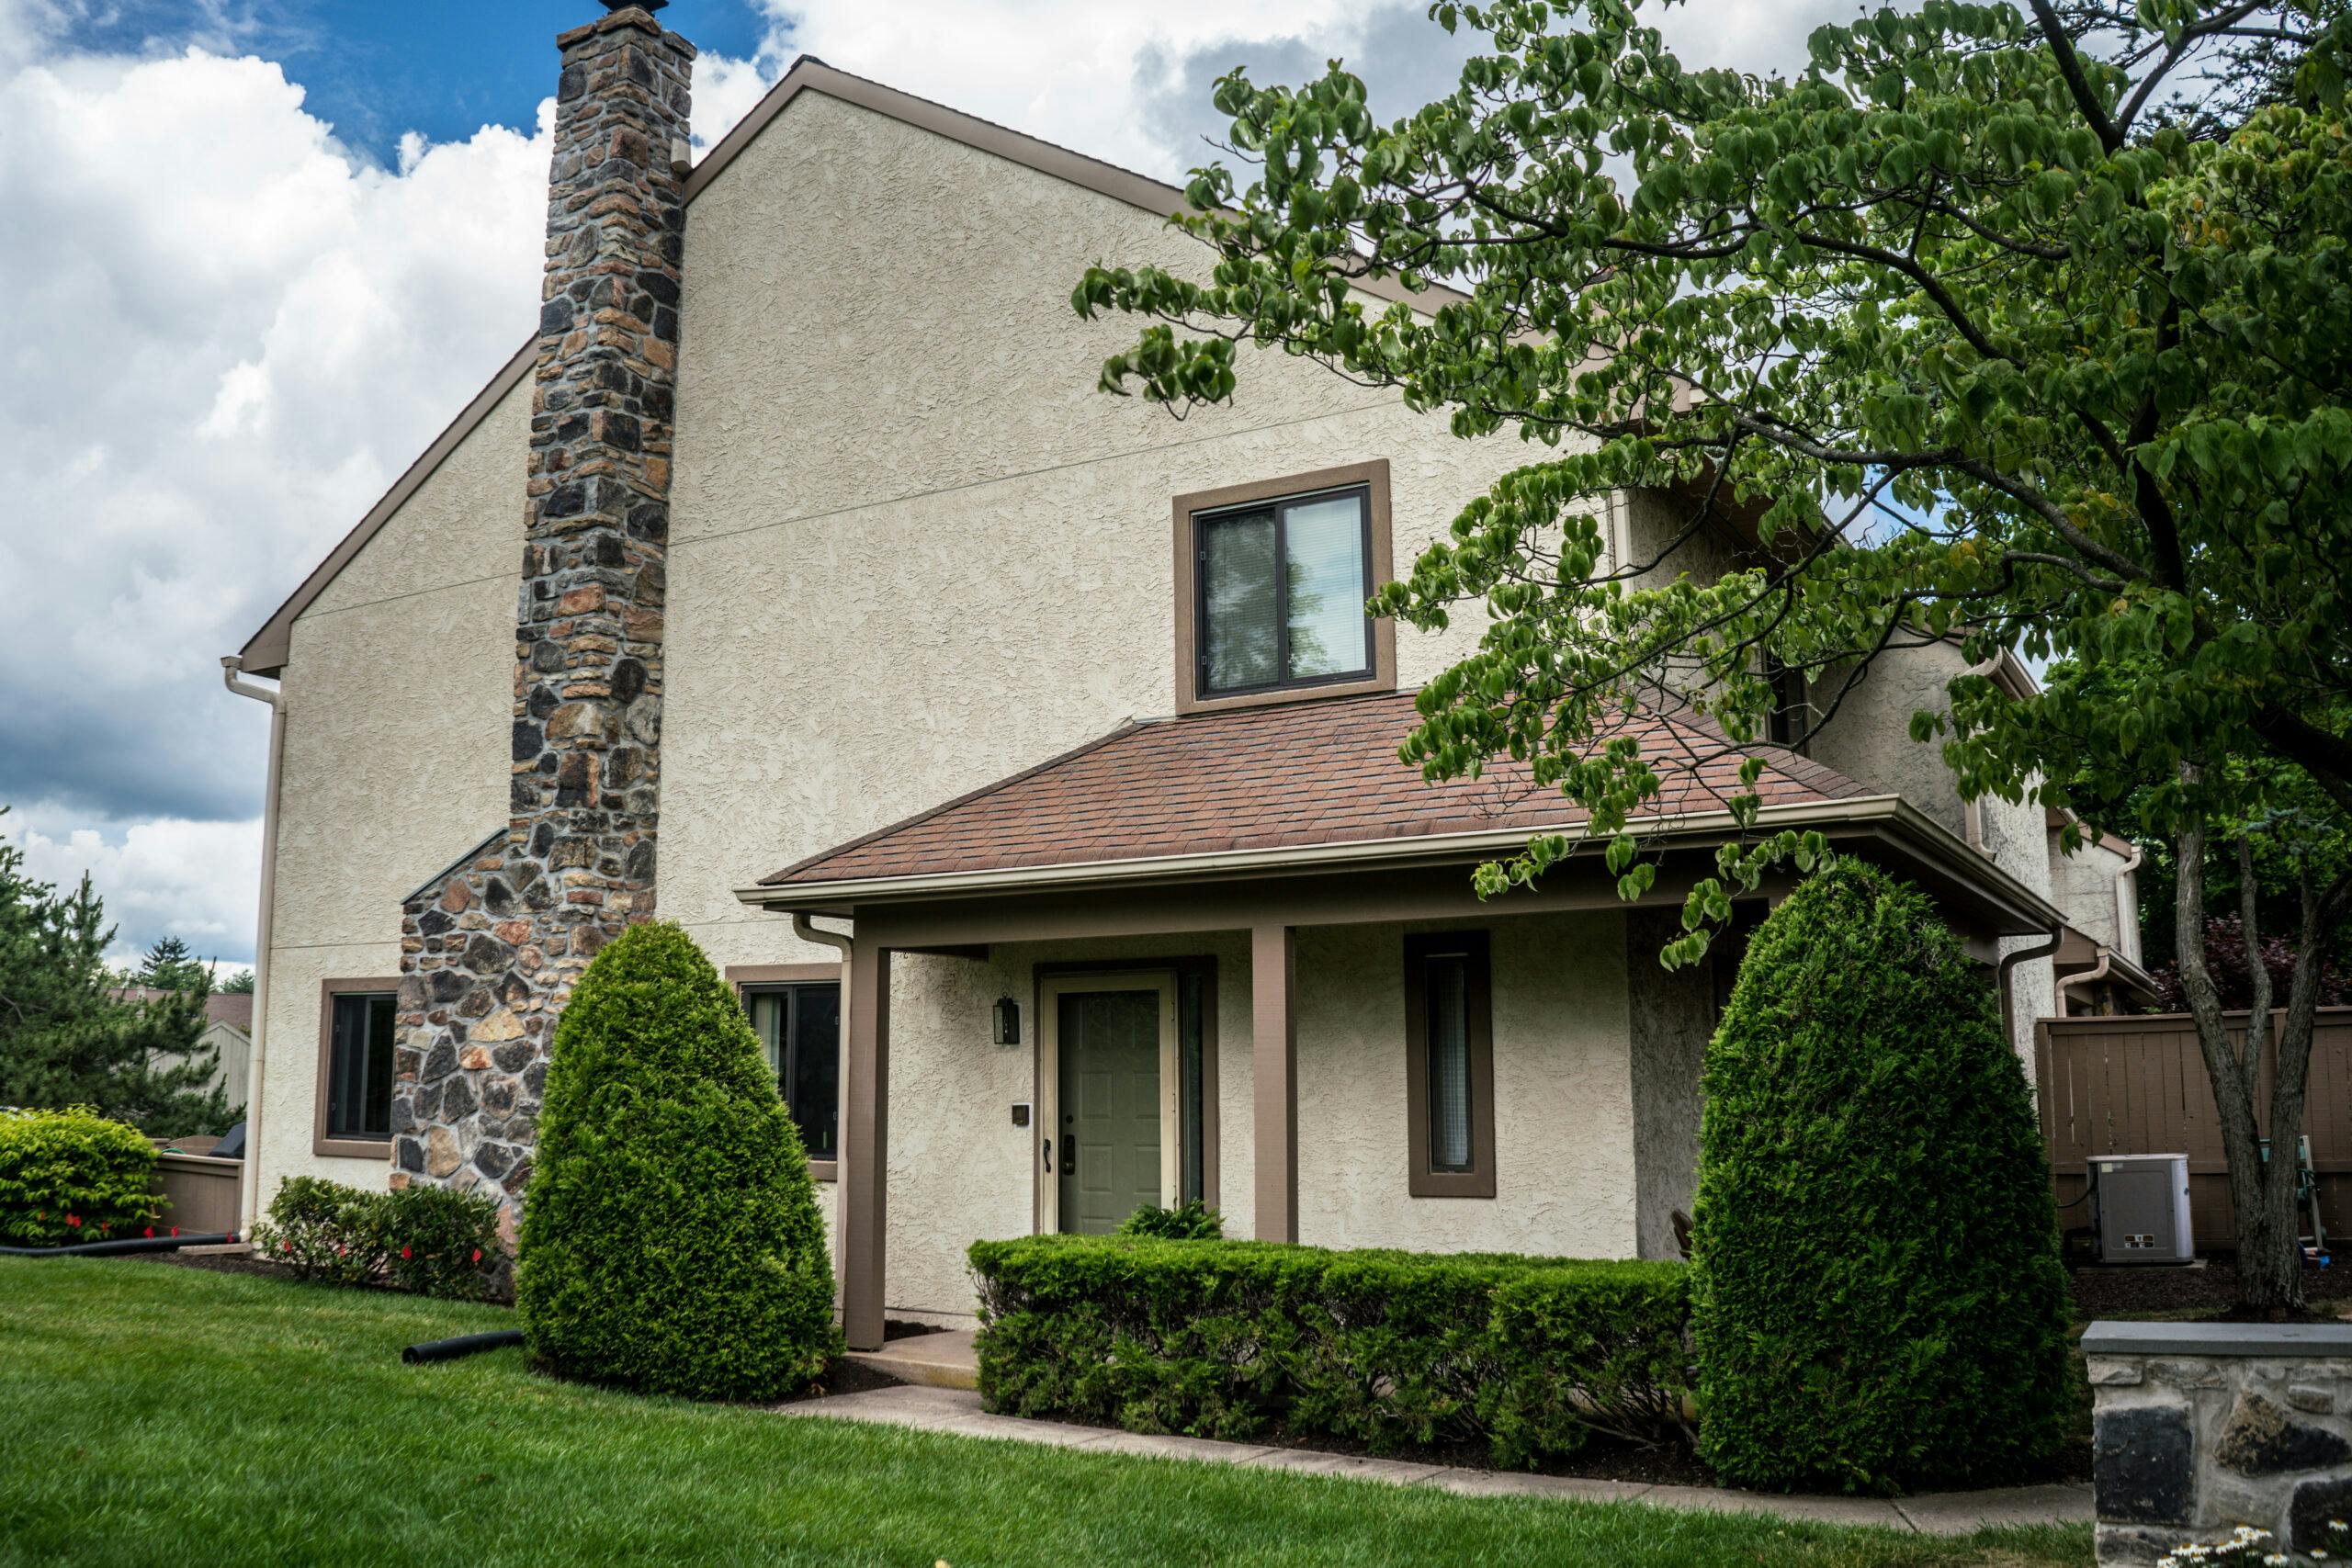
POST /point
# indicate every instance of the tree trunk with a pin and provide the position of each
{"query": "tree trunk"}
(2262, 1194)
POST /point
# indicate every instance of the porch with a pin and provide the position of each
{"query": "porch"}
(1282, 892)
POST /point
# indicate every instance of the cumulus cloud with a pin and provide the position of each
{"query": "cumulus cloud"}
(229, 332)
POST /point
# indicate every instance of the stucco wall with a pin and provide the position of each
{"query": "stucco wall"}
(1672, 1017)
(2083, 885)
(396, 690)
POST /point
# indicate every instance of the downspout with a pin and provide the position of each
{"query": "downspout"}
(1972, 812)
(2126, 904)
(2088, 977)
(2001, 979)
(807, 929)
(233, 675)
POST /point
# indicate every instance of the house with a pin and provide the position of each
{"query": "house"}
(796, 584)
(227, 1029)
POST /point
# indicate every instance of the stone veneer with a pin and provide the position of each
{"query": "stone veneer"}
(492, 945)
(2198, 1427)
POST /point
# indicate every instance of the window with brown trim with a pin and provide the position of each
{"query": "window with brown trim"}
(796, 1009)
(357, 1031)
(1449, 1065)
(1271, 580)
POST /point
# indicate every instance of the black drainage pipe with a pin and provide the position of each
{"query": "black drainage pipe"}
(464, 1345)
(127, 1246)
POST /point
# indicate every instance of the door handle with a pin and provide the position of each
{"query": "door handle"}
(1049, 1156)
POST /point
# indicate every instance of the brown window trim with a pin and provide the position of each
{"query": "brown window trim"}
(1421, 1181)
(1201, 964)
(1373, 477)
(321, 1145)
(752, 975)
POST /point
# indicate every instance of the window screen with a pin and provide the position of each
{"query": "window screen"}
(360, 1068)
(1281, 592)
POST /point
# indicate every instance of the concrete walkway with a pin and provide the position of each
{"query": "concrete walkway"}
(958, 1411)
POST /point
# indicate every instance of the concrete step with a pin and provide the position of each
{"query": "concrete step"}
(932, 1360)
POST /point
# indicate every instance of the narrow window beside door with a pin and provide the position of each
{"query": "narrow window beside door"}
(1450, 1065)
(801, 1027)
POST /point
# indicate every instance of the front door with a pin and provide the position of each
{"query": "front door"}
(1110, 1040)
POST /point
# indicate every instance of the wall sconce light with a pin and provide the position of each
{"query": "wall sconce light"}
(1007, 1022)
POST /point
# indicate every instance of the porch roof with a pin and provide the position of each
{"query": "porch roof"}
(1306, 781)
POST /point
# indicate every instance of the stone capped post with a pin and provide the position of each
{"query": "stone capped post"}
(492, 945)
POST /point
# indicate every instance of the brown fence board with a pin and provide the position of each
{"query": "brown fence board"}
(2137, 1084)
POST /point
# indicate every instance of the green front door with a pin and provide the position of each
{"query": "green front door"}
(1110, 1106)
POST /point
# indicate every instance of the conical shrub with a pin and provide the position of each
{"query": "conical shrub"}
(671, 1241)
(1877, 1296)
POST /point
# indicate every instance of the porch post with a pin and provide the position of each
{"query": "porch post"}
(864, 1172)
(1274, 1029)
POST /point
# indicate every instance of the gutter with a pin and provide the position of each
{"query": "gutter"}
(1888, 815)
(233, 675)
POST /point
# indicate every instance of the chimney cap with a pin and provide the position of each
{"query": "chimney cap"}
(636, 4)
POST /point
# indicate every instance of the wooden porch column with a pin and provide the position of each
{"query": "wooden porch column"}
(864, 1172)
(1274, 1030)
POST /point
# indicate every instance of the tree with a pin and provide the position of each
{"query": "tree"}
(68, 1035)
(170, 967)
(1876, 1296)
(240, 983)
(1992, 327)
(671, 1241)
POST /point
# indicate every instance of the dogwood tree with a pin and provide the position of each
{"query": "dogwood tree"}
(2023, 328)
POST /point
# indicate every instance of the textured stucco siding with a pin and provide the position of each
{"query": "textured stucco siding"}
(1672, 1017)
(2083, 885)
(398, 689)
(1564, 1157)
(913, 549)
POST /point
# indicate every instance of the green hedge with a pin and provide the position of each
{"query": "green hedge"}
(1529, 1355)
(1877, 1296)
(430, 1241)
(671, 1241)
(72, 1176)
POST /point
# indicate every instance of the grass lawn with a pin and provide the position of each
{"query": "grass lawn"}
(150, 1413)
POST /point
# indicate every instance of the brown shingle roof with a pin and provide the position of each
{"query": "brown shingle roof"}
(1311, 773)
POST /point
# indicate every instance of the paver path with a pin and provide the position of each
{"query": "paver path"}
(958, 1411)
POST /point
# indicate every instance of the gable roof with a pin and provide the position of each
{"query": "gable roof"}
(1297, 778)
(266, 652)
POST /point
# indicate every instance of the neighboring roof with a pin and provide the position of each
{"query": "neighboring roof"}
(265, 652)
(1310, 774)
(234, 1009)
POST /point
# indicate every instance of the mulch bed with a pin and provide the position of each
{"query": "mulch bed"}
(2151, 1288)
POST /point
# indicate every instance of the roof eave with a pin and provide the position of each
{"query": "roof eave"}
(1886, 816)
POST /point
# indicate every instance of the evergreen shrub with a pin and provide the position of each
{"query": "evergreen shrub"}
(1877, 1298)
(671, 1241)
(73, 1176)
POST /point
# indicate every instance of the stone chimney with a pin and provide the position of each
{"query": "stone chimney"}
(492, 945)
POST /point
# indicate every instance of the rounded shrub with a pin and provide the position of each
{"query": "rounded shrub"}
(73, 1176)
(1876, 1293)
(671, 1241)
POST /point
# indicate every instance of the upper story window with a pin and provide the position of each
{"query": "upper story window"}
(1271, 580)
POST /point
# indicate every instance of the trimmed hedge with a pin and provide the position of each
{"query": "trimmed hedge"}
(1533, 1357)
(72, 1176)
(1878, 1301)
(430, 1241)
(671, 1241)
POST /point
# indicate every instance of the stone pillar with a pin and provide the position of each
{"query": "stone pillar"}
(2198, 1428)
(493, 946)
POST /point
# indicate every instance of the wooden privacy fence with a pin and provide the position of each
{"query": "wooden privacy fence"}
(200, 1192)
(2137, 1085)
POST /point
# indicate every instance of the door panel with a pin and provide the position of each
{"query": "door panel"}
(1110, 1046)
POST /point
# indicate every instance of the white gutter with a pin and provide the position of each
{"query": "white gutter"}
(232, 676)
(1883, 811)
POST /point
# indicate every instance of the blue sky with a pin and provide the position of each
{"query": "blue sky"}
(377, 68)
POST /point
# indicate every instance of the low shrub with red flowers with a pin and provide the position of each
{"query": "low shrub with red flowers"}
(72, 1176)
(427, 1240)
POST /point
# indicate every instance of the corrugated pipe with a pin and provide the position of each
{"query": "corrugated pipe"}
(233, 675)
(463, 1345)
(128, 1245)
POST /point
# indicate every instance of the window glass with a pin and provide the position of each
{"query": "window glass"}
(1449, 1051)
(1282, 594)
(360, 1068)
(800, 1026)
(1323, 557)
(1239, 598)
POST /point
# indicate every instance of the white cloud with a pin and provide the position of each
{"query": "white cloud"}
(159, 877)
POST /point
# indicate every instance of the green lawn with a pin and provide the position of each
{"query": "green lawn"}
(150, 1413)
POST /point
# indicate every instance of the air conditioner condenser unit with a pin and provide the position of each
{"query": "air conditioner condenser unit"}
(2141, 1208)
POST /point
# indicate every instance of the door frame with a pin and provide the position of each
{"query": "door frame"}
(1051, 989)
